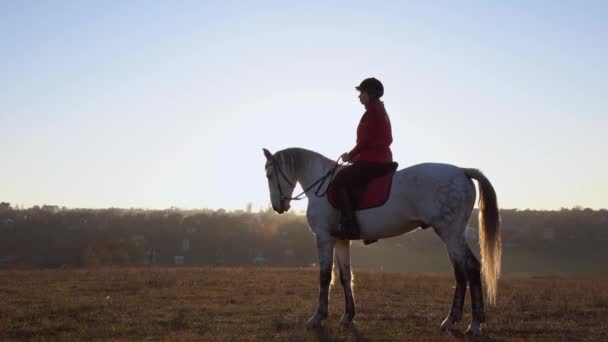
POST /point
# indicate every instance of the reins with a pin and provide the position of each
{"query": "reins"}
(331, 173)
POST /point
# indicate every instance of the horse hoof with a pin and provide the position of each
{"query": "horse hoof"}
(447, 324)
(474, 329)
(313, 323)
(346, 321)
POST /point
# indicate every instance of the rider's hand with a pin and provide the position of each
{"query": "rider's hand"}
(345, 157)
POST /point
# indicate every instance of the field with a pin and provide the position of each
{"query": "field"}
(263, 304)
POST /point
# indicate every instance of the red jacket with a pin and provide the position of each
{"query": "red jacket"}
(374, 135)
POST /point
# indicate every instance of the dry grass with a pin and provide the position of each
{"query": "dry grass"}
(227, 304)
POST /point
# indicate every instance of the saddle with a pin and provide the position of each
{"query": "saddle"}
(372, 194)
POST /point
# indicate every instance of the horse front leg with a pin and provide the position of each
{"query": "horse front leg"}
(343, 257)
(325, 250)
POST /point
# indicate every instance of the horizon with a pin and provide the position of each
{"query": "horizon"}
(254, 210)
(124, 105)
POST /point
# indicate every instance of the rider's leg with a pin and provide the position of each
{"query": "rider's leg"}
(349, 228)
(355, 175)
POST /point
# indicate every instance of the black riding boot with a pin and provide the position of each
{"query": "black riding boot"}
(349, 227)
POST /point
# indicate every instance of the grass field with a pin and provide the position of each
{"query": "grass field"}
(263, 304)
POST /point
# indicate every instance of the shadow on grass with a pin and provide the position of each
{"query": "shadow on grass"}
(464, 337)
(323, 333)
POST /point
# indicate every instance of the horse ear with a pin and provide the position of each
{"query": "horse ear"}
(267, 154)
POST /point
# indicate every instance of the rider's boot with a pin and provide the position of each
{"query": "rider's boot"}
(349, 227)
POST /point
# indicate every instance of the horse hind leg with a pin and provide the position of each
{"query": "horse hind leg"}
(467, 269)
(474, 279)
(457, 253)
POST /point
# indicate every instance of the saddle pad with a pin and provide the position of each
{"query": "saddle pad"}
(375, 194)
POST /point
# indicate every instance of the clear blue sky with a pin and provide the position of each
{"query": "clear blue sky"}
(155, 104)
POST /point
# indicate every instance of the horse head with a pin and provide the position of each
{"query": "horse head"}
(281, 181)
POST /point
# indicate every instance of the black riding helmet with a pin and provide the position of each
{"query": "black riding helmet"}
(371, 86)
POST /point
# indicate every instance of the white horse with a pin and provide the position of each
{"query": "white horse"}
(425, 195)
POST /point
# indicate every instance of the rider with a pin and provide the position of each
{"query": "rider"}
(369, 157)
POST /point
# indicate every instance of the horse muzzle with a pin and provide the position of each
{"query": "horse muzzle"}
(283, 206)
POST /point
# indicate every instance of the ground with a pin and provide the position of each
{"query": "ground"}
(261, 304)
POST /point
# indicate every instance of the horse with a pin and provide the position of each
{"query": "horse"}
(425, 195)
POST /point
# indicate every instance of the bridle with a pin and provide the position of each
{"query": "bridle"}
(331, 173)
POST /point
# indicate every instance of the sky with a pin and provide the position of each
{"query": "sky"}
(156, 104)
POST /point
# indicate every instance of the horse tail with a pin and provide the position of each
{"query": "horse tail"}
(489, 233)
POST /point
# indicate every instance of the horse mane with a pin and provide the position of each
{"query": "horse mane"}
(295, 157)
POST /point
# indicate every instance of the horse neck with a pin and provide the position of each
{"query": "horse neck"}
(309, 166)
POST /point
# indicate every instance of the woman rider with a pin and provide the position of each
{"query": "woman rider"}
(370, 156)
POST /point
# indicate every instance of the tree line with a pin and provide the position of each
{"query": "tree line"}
(563, 241)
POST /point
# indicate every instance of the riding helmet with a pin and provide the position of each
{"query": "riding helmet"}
(372, 86)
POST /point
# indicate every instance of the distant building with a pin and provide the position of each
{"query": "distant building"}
(185, 245)
(151, 257)
(259, 260)
(178, 259)
(7, 221)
